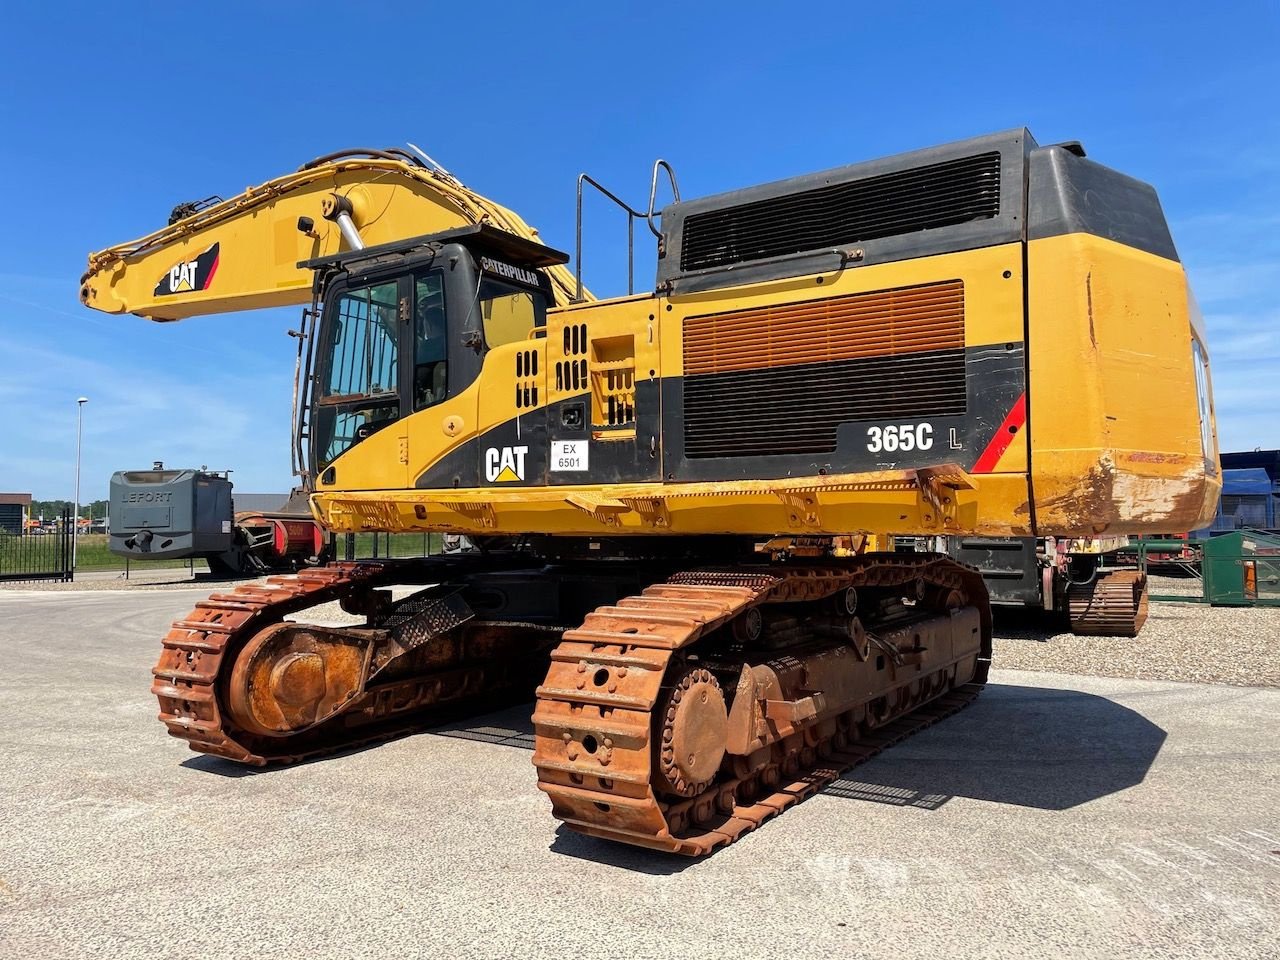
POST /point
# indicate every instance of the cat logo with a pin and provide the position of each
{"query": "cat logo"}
(504, 465)
(190, 275)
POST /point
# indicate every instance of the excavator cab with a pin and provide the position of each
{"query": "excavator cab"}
(406, 326)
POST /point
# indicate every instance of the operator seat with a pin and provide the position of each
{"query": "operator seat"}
(430, 371)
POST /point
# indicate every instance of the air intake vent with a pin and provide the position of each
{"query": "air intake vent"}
(781, 379)
(923, 198)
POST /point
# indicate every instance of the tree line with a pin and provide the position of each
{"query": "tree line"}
(52, 509)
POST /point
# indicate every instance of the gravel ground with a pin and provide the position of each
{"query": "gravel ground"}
(1186, 586)
(1190, 642)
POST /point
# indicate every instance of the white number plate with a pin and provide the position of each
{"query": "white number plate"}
(568, 455)
(904, 437)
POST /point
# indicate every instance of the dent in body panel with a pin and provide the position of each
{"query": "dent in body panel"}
(1120, 494)
(1115, 437)
(1176, 500)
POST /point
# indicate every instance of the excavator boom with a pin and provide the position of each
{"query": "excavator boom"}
(243, 253)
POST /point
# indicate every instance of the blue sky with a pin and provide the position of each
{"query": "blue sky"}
(112, 113)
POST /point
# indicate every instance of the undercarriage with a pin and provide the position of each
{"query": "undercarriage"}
(679, 705)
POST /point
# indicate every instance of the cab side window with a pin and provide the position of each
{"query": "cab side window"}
(509, 312)
(430, 343)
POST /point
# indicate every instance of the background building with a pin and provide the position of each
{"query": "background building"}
(14, 508)
(1250, 491)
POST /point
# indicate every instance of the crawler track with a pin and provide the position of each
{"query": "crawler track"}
(604, 718)
(199, 651)
(1113, 604)
(600, 745)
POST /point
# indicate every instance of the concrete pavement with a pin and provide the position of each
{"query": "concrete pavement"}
(1058, 816)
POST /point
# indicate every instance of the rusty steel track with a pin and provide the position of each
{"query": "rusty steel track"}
(604, 744)
(1113, 604)
(609, 714)
(198, 647)
(199, 653)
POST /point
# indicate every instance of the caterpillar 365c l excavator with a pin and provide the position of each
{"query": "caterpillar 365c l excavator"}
(653, 480)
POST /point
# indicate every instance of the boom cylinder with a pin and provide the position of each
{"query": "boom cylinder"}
(338, 209)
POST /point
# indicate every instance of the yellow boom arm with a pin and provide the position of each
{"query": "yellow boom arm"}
(243, 253)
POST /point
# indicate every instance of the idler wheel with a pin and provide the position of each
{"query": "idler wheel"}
(693, 722)
(289, 677)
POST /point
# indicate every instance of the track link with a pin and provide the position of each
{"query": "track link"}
(1113, 604)
(196, 647)
(594, 721)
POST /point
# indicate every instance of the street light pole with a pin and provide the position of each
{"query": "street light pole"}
(75, 519)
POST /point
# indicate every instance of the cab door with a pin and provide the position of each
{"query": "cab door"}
(441, 364)
(489, 429)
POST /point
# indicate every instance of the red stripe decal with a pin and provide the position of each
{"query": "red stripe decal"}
(1004, 435)
(212, 270)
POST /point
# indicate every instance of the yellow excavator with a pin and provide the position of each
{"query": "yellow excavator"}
(665, 489)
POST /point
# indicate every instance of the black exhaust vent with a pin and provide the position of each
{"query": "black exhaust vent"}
(892, 204)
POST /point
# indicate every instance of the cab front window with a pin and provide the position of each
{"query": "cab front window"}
(359, 374)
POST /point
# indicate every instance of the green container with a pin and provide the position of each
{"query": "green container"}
(1242, 569)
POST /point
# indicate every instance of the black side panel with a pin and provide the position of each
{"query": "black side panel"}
(633, 460)
(1007, 564)
(960, 196)
(923, 198)
(736, 414)
(814, 425)
(1071, 194)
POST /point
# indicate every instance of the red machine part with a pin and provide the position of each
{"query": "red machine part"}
(298, 537)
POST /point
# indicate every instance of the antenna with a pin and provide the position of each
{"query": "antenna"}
(437, 167)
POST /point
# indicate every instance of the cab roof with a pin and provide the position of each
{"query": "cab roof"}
(482, 236)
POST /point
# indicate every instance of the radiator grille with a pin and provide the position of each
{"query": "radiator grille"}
(781, 379)
(929, 317)
(923, 198)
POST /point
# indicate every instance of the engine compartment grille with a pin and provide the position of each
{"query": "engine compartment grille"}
(922, 198)
(781, 379)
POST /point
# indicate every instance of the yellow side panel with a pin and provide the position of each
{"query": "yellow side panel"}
(992, 279)
(377, 463)
(1114, 419)
(574, 351)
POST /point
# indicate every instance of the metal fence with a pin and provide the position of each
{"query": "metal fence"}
(385, 546)
(1238, 569)
(42, 555)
